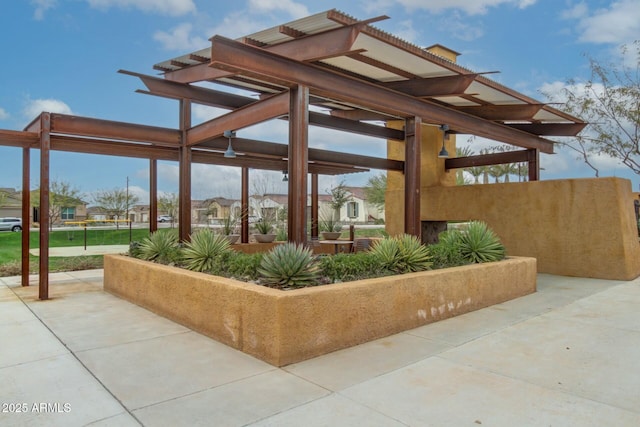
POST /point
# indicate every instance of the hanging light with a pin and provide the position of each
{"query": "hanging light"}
(443, 154)
(229, 154)
(285, 178)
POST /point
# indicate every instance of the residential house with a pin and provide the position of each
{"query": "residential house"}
(10, 203)
(215, 210)
(12, 206)
(357, 210)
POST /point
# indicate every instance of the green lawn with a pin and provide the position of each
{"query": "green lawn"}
(10, 243)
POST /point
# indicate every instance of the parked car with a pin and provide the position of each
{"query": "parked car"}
(10, 224)
(165, 218)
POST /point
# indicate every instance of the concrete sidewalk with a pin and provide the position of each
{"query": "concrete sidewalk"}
(70, 251)
(565, 356)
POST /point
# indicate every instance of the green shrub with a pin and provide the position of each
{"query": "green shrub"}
(347, 267)
(161, 247)
(446, 253)
(204, 250)
(403, 254)
(480, 244)
(289, 266)
(134, 249)
(243, 266)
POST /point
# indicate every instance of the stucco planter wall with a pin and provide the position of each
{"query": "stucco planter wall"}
(283, 327)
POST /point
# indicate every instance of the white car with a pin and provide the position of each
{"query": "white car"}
(10, 224)
(165, 218)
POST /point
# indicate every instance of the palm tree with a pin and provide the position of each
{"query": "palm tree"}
(476, 172)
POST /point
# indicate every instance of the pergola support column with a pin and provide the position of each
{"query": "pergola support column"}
(534, 164)
(45, 147)
(153, 195)
(26, 222)
(184, 194)
(314, 206)
(413, 138)
(298, 163)
(244, 206)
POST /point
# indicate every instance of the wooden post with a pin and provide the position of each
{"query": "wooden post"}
(298, 163)
(26, 222)
(184, 194)
(413, 137)
(244, 203)
(314, 206)
(534, 164)
(153, 195)
(45, 147)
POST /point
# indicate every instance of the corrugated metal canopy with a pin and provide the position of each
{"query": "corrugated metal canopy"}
(381, 58)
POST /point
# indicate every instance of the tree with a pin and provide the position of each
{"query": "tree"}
(462, 152)
(168, 203)
(375, 190)
(115, 203)
(61, 195)
(340, 195)
(610, 102)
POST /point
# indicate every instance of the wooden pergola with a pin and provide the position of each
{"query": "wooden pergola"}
(354, 77)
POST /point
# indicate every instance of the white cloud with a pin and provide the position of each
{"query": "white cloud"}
(462, 28)
(164, 7)
(41, 6)
(36, 106)
(180, 38)
(202, 113)
(405, 31)
(295, 10)
(3, 114)
(475, 7)
(619, 23)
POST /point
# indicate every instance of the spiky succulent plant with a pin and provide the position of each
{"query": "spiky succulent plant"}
(289, 266)
(204, 250)
(480, 244)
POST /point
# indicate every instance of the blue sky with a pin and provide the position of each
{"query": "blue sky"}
(62, 56)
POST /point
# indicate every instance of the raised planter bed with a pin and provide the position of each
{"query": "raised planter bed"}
(283, 327)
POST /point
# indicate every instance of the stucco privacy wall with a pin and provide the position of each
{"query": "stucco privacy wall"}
(575, 227)
(283, 327)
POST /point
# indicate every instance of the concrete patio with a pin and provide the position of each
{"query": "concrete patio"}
(564, 356)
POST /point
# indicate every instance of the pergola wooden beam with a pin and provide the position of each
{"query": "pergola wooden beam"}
(87, 127)
(550, 129)
(487, 159)
(250, 146)
(219, 99)
(22, 139)
(260, 111)
(433, 86)
(503, 112)
(233, 56)
(310, 48)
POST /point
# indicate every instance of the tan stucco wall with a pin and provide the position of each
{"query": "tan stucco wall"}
(284, 327)
(576, 227)
(431, 168)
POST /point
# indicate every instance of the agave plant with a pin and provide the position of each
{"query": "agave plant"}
(289, 266)
(480, 244)
(414, 256)
(386, 252)
(161, 246)
(204, 250)
(403, 254)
